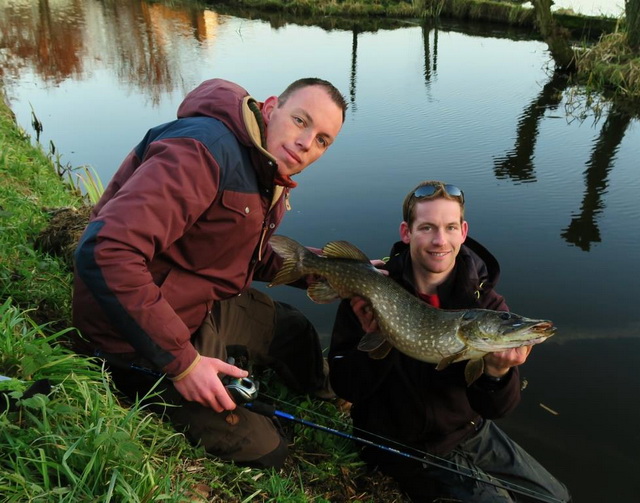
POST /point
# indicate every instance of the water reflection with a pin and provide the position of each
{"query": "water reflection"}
(146, 44)
(518, 163)
(430, 62)
(583, 229)
(354, 69)
(50, 36)
(150, 45)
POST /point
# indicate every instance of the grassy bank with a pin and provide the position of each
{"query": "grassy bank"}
(78, 442)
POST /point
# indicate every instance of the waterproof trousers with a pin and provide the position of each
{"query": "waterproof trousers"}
(488, 455)
(274, 335)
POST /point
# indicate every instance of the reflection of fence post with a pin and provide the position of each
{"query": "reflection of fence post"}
(354, 70)
(430, 64)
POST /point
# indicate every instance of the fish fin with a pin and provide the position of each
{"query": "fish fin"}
(344, 249)
(292, 253)
(473, 370)
(288, 273)
(381, 351)
(445, 362)
(321, 292)
(371, 342)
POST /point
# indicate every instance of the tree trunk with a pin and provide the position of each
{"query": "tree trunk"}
(632, 12)
(556, 37)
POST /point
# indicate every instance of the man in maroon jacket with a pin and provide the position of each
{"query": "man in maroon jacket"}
(164, 268)
(417, 406)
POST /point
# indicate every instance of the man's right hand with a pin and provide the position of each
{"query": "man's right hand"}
(203, 384)
(362, 309)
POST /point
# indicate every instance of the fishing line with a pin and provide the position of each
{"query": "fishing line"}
(246, 389)
(434, 460)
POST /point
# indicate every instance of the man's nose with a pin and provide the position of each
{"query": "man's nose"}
(305, 140)
(438, 237)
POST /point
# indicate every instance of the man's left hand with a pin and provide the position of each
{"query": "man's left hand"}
(498, 364)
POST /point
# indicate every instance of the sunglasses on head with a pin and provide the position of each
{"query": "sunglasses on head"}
(429, 190)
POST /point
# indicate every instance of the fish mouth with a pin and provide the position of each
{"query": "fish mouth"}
(544, 328)
(528, 334)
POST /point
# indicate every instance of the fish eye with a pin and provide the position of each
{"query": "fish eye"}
(505, 316)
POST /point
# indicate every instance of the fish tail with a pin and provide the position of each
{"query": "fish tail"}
(293, 254)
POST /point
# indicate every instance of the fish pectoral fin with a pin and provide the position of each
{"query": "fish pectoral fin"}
(321, 292)
(473, 370)
(344, 249)
(371, 342)
(288, 273)
(291, 252)
(381, 351)
(445, 362)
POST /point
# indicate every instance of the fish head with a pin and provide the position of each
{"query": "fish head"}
(492, 331)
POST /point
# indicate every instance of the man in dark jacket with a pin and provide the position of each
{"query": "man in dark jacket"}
(164, 268)
(415, 406)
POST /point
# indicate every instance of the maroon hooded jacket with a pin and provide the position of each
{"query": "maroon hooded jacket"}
(184, 222)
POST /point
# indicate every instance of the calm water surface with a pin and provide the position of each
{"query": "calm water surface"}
(552, 187)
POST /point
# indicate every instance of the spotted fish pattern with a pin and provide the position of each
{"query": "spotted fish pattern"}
(413, 327)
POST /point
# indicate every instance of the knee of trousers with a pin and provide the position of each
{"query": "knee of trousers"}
(274, 459)
(240, 435)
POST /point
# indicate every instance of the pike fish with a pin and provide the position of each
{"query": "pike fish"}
(413, 327)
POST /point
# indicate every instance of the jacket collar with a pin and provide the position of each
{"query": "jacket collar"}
(476, 270)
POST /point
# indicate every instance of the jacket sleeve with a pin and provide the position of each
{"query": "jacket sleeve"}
(493, 400)
(163, 198)
(354, 375)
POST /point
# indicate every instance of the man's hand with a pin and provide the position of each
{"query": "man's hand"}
(362, 309)
(498, 364)
(203, 385)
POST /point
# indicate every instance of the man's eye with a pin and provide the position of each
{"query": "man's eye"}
(323, 141)
(297, 120)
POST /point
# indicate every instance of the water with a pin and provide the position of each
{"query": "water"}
(551, 186)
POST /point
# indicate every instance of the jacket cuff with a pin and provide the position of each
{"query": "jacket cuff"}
(188, 370)
(491, 383)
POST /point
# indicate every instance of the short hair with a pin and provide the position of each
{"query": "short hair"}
(440, 192)
(335, 95)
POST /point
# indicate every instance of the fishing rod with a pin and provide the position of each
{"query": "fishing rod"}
(244, 391)
(270, 411)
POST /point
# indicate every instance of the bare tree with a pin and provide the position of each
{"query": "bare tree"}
(556, 37)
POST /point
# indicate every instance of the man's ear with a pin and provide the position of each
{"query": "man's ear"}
(268, 107)
(405, 233)
(465, 230)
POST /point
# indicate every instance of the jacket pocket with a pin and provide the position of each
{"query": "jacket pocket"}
(242, 204)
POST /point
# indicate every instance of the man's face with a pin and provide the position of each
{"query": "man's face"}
(435, 237)
(301, 130)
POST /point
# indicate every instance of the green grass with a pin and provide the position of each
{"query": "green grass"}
(79, 443)
(611, 65)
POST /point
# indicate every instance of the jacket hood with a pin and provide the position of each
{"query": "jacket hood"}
(232, 105)
(482, 269)
(229, 103)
